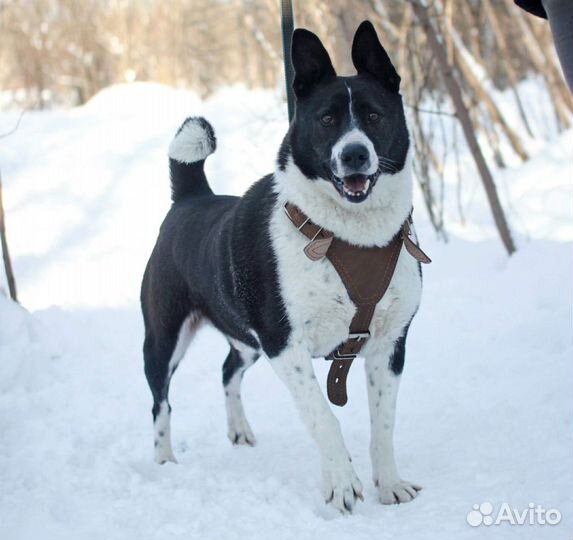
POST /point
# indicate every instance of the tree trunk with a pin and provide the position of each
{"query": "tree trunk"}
(454, 90)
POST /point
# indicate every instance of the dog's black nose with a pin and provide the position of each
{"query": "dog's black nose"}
(355, 156)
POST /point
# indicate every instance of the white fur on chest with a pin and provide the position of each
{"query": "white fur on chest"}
(317, 303)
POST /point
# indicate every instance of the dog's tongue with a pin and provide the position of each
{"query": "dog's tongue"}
(355, 183)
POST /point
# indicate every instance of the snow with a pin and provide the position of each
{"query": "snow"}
(485, 406)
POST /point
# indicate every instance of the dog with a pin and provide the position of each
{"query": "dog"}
(238, 262)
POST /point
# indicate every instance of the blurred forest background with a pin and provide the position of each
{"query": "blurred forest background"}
(65, 51)
(62, 52)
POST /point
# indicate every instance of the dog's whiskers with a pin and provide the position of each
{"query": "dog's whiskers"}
(387, 159)
(388, 164)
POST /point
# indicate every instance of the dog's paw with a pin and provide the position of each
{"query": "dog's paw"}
(240, 432)
(398, 492)
(242, 437)
(163, 452)
(163, 455)
(341, 487)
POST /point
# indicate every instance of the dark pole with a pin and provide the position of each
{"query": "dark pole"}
(287, 19)
(5, 252)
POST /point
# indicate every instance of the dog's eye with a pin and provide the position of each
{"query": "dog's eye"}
(326, 119)
(373, 117)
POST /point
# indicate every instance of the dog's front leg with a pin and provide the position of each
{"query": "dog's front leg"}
(340, 484)
(383, 370)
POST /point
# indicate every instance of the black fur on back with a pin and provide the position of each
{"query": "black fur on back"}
(214, 256)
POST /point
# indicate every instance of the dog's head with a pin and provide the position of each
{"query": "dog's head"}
(348, 132)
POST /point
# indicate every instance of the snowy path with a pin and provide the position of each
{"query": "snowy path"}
(484, 411)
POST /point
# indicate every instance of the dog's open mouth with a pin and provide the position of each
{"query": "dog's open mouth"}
(356, 187)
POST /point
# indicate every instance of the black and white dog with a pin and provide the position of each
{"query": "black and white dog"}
(239, 262)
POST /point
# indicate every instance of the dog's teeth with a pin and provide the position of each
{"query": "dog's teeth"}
(360, 193)
(353, 193)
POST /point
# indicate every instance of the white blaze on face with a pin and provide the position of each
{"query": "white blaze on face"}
(353, 136)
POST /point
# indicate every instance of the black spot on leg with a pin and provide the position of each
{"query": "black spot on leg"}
(161, 433)
(233, 363)
(398, 355)
(379, 393)
(371, 380)
(156, 443)
(298, 369)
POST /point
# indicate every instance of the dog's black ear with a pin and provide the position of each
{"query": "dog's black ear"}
(310, 62)
(368, 56)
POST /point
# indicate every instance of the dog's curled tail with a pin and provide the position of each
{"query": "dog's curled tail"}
(193, 143)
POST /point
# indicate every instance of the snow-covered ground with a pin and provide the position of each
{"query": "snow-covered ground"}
(485, 409)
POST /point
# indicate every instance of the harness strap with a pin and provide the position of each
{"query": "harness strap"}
(366, 273)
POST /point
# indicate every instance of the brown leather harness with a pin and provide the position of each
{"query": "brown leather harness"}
(366, 273)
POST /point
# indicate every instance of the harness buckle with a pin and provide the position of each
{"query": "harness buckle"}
(356, 336)
(335, 355)
(299, 227)
(359, 336)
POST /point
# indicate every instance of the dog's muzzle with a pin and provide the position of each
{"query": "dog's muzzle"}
(354, 172)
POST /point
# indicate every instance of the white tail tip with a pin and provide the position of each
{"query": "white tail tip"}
(194, 141)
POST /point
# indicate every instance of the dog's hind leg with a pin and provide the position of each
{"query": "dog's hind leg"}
(239, 359)
(163, 350)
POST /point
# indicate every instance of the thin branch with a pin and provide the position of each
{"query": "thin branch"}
(15, 128)
(429, 111)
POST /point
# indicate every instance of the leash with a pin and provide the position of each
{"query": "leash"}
(287, 24)
(366, 273)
